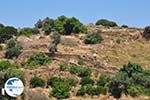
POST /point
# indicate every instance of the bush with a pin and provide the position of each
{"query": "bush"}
(146, 33)
(63, 66)
(61, 87)
(28, 31)
(81, 91)
(4, 65)
(91, 90)
(11, 43)
(80, 71)
(107, 23)
(59, 24)
(134, 90)
(7, 33)
(61, 90)
(131, 79)
(86, 80)
(103, 80)
(124, 26)
(37, 82)
(93, 38)
(71, 81)
(131, 68)
(11, 53)
(53, 80)
(38, 59)
(13, 49)
(62, 25)
(73, 25)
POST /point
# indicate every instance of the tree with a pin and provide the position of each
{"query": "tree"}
(48, 25)
(13, 49)
(53, 44)
(107, 23)
(6, 33)
(146, 33)
(28, 31)
(59, 24)
(37, 60)
(73, 25)
(124, 26)
(38, 24)
(1, 26)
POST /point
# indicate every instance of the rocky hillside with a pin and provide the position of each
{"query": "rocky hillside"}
(46, 74)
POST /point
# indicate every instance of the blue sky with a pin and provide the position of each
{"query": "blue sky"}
(24, 13)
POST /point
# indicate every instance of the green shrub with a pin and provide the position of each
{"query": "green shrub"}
(93, 38)
(103, 80)
(73, 25)
(71, 81)
(63, 66)
(38, 59)
(53, 80)
(28, 31)
(37, 82)
(4, 65)
(47, 25)
(81, 91)
(59, 24)
(61, 90)
(80, 71)
(86, 80)
(131, 79)
(7, 33)
(13, 52)
(131, 68)
(134, 90)
(91, 90)
(61, 87)
(146, 33)
(13, 49)
(107, 23)
(62, 25)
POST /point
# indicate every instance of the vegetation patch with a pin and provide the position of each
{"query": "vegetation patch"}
(61, 87)
(5, 65)
(93, 38)
(37, 60)
(107, 23)
(37, 82)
